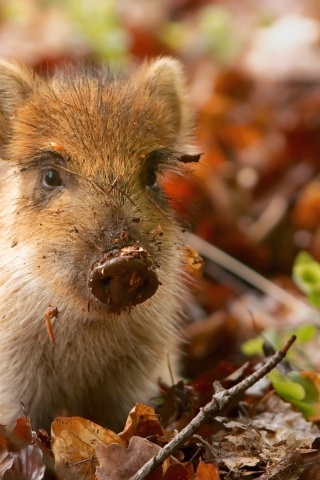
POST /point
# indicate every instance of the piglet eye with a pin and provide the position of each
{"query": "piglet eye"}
(51, 178)
(151, 178)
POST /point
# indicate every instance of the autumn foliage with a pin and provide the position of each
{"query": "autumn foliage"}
(255, 194)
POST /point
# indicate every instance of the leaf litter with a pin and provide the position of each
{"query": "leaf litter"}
(256, 195)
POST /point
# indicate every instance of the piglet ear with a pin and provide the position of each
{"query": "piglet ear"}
(15, 85)
(164, 80)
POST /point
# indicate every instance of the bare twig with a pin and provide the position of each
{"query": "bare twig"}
(220, 400)
(253, 278)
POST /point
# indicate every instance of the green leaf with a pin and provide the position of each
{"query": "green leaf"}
(289, 390)
(305, 333)
(305, 408)
(306, 273)
(254, 346)
(285, 388)
(314, 298)
(303, 258)
(174, 35)
(98, 23)
(216, 27)
(299, 391)
(311, 391)
(272, 336)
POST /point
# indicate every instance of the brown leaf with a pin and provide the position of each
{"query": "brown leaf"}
(207, 471)
(26, 464)
(178, 401)
(20, 457)
(74, 441)
(22, 432)
(315, 378)
(192, 260)
(312, 472)
(176, 471)
(3, 439)
(294, 466)
(306, 213)
(119, 463)
(141, 422)
(6, 462)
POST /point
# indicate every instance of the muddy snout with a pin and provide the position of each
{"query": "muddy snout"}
(123, 278)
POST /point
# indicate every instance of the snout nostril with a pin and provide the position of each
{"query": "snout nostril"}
(123, 281)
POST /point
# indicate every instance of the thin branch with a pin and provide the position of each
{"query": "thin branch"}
(253, 278)
(220, 400)
(113, 186)
(269, 219)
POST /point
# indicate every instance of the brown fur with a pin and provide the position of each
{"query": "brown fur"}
(99, 131)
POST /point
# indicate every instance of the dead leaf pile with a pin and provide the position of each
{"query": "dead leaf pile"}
(263, 437)
(23, 455)
(258, 445)
(255, 193)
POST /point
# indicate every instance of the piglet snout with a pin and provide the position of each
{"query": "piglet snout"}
(123, 278)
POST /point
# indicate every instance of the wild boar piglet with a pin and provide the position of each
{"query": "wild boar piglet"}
(89, 243)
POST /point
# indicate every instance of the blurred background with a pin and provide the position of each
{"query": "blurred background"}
(253, 69)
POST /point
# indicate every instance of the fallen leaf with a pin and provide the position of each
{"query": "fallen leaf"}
(306, 213)
(315, 378)
(177, 401)
(22, 432)
(207, 471)
(25, 464)
(119, 463)
(6, 462)
(143, 422)
(311, 472)
(74, 441)
(293, 466)
(176, 471)
(3, 439)
(192, 260)
(20, 457)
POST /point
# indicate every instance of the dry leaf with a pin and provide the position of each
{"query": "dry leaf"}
(192, 260)
(306, 213)
(176, 471)
(6, 462)
(20, 457)
(143, 422)
(74, 441)
(315, 378)
(27, 464)
(207, 471)
(119, 463)
(22, 431)
(311, 472)
(294, 466)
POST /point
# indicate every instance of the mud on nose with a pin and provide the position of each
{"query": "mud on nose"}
(124, 280)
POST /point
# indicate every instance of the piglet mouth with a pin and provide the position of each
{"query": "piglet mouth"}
(123, 278)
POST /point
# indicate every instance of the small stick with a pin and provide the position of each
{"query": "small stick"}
(237, 268)
(50, 314)
(220, 400)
